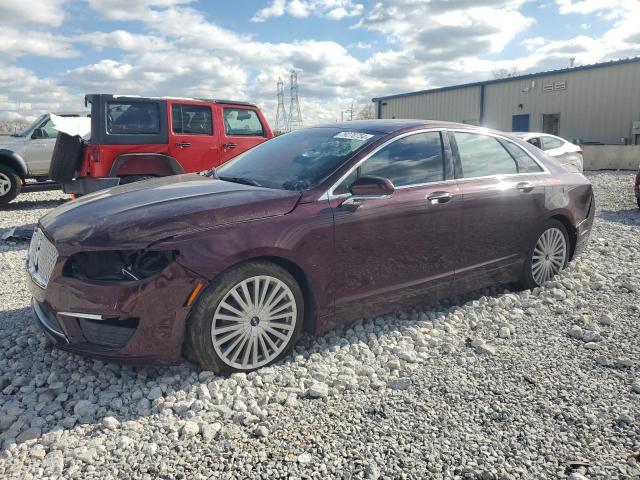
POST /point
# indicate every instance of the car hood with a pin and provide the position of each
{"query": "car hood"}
(138, 214)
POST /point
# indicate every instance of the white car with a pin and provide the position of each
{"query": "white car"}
(565, 152)
(27, 154)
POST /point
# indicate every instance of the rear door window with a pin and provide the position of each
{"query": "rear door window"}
(549, 143)
(133, 118)
(191, 119)
(242, 122)
(483, 156)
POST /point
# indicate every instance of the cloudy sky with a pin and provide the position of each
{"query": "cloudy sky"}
(54, 51)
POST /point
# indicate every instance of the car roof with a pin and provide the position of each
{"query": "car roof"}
(386, 126)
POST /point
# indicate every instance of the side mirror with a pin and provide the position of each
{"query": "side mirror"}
(372, 186)
(367, 188)
(38, 133)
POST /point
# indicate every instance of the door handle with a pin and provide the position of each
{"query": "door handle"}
(524, 187)
(183, 144)
(436, 198)
(229, 146)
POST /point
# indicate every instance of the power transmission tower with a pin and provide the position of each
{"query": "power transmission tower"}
(281, 115)
(295, 117)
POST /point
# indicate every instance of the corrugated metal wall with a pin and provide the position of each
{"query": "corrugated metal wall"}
(595, 105)
(451, 105)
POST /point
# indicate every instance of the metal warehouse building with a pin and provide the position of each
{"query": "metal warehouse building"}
(597, 103)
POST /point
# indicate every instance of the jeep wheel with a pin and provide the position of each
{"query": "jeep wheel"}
(67, 155)
(10, 184)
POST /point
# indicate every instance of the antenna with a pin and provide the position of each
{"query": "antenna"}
(295, 117)
(281, 115)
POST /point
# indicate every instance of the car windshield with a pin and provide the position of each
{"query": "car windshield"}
(32, 125)
(298, 160)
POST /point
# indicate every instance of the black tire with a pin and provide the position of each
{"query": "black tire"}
(527, 280)
(134, 178)
(199, 344)
(8, 174)
(67, 156)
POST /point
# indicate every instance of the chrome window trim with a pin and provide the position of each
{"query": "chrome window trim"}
(88, 316)
(329, 195)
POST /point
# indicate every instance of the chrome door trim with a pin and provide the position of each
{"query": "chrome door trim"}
(329, 195)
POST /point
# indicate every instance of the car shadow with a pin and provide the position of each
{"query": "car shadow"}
(627, 216)
(59, 383)
(32, 204)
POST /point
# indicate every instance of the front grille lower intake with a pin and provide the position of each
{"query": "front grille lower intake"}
(108, 333)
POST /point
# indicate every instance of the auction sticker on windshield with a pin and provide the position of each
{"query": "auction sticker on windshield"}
(353, 136)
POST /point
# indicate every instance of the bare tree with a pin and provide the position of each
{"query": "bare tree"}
(505, 72)
(367, 112)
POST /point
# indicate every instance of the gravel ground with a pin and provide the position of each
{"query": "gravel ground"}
(541, 384)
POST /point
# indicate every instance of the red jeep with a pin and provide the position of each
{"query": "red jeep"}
(133, 138)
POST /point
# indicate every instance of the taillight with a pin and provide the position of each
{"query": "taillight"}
(93, 153)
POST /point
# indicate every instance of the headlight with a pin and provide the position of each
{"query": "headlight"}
(127, 265)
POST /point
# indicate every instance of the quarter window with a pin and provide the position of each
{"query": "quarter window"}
(411, 160)
(483, 156)
(242, 121)
(549, 143)
(191, 119)
(525, 163)
(127, 118)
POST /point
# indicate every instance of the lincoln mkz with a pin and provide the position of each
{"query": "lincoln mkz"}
(304, 232)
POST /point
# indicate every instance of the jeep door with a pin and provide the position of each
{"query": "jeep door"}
(192, 138)
(242, 128)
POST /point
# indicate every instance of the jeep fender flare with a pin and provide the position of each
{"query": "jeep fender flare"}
(15, 161)
(157, 164)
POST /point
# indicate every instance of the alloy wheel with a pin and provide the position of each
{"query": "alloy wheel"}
(254, 322)
(549, 255)
(5, 184)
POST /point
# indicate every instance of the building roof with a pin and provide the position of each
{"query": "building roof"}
(510, 79)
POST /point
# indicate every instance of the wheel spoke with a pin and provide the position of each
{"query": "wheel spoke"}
(236, 296)
(248, 346)
(234, 344)
(276, 333)
(229, 336)
(280, 308)
(230, 318)
(283, 326)
(231, 308)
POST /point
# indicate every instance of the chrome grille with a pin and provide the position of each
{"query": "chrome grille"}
(41, 258)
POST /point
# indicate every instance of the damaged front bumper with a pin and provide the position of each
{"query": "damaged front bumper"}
(137, 322)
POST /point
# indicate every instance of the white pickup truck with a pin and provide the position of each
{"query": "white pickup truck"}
(27, 155)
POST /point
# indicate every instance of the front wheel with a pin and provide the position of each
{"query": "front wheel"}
(248, 318)
(548, 255)
(10, 184)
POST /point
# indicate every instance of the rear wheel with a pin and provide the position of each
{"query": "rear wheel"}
(10, 184)
(548, 255)
(248, 318)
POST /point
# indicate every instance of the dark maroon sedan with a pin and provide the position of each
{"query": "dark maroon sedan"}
(304, 232)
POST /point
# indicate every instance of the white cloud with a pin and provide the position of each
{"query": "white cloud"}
(16, 43)
(47, 12)
(421, 44)
(331, 9)
(131, 9)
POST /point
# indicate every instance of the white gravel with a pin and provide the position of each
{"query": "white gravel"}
(542, 384)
